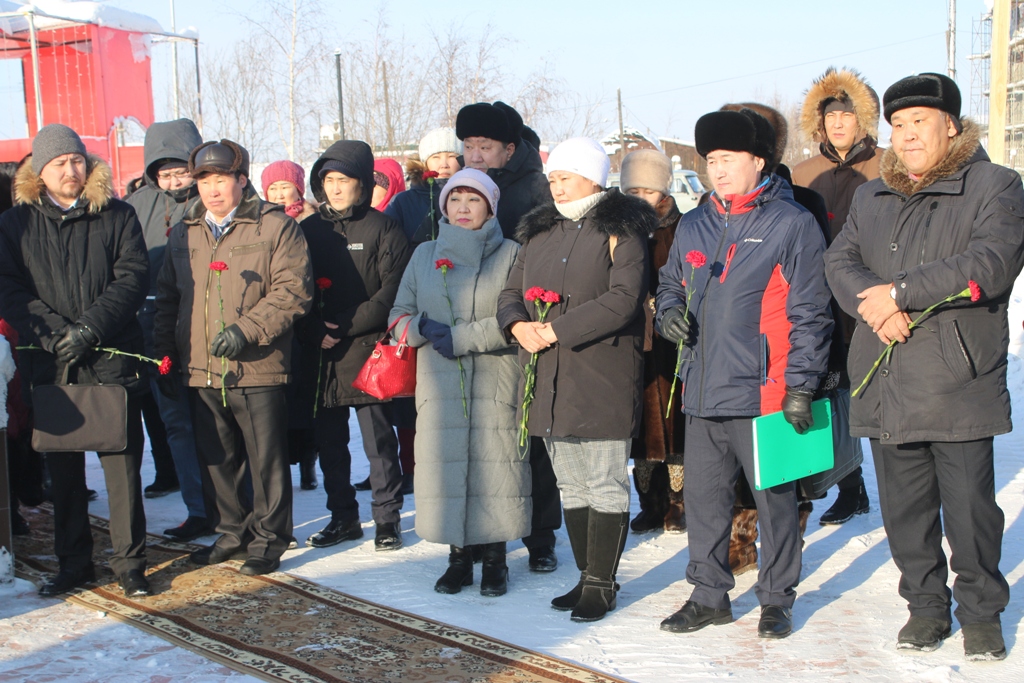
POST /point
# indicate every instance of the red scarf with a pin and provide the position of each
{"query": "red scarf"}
(739, 203)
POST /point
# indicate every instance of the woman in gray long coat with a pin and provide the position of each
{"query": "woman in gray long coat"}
(472, 488)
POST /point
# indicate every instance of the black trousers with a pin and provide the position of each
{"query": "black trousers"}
(247, 437)
(381, 446)
(718, 450)
(158, 446)
(547, 502)
(72, 537)
(915, 482)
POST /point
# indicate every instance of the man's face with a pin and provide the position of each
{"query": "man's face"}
(921, 137)
(568, 187)
(734, 173)
(64, 177)
(174, 178)
(445, 164)
(652, 197)
(342, 191)
(484, 153)
(842, 130)
(221, 193)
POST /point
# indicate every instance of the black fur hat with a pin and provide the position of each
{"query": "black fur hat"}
(530, 135)
(483, 120)
(515, 122)
(923, 90)
(737, 131)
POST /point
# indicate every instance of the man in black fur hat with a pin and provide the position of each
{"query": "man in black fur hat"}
(757, 328)
(941, 220)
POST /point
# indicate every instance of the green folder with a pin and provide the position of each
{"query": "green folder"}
(781, 455)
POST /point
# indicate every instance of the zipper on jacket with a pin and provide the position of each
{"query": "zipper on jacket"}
(704, 308)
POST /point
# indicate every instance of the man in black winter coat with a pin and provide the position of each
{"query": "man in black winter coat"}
(941, 220)
(73, 272)
(361, 253)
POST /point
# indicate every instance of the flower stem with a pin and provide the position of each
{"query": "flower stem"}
(451, 311)
(223, 360)
(679, 346)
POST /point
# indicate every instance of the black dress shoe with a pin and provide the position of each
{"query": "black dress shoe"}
(92, 495)
(67, 580)
(388, 537)
(776, 622)
(254, 566)
(191, 529)
(543, 559)
(158, 489)
(215, 554)
(363, 485)
(134, 583)
(923, 634)
(693, 617)
(336, 532)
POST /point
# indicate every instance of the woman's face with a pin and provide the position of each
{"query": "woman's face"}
(379, 193)
(568, 187)
(445, 164)
(652, 197)
(283, 192)
(467, 209)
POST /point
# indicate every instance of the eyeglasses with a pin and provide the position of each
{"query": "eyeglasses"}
(173, 175)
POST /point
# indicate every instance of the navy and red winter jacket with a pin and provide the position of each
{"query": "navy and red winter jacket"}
(761, 302)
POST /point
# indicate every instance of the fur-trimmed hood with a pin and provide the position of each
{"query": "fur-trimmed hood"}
(962, 150)
(843, 84)
(98, 191)
(619, 215)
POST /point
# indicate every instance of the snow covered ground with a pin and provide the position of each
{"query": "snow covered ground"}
(846, 616)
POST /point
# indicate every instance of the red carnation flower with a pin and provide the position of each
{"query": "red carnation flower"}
(427, 175)
(550, 297)
(165, 366)
(534, 293)
(443, 263)
(323, 283)
(218, 266)
(975, 290)
(831, 216)
(696, 259)
(168, 233)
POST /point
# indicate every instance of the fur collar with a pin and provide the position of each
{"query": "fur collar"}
(668, 213)
(618, 215)
(843, 84)
(98, 191)
(894, 173)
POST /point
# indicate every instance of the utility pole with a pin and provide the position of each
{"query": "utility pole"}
(174, 66)
(951, 42)
(622, 135)
(387, 111)
(999, 64)
(341, 101)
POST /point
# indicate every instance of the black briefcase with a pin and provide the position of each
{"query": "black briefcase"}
(848, 452)
(79, 417)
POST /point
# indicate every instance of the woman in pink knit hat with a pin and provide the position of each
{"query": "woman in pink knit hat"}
(284, 182)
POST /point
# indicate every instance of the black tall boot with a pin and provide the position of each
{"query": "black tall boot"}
(606, 539)
(459, 573)
(576, 522)
(494, 576)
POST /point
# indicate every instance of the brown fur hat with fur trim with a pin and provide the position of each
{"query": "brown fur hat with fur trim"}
(779, 125)
(225, 157)
(847, 86)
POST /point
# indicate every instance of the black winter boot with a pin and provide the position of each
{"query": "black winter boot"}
(494, 576)
(307, 470)
(459, 573)
(848, 503)
(606, 538)
(576, 524)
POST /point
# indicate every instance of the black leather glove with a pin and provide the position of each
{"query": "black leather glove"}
(228, 343)
(677, 325)
(168, 385)
(796, 408)
(75, 343)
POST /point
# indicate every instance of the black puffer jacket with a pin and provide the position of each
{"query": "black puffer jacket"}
(363, 253)
(523, 187)
(961, 221)
(158, 210)
(85, 266)
(590, 383)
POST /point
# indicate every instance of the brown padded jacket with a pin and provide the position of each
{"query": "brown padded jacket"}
(267, 286)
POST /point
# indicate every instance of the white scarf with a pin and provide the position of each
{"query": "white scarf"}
(575, 210)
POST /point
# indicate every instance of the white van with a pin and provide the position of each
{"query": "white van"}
(686, 188)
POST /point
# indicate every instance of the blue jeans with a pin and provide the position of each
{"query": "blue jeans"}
(178, 422)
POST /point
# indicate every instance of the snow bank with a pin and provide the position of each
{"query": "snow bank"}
(99, 14)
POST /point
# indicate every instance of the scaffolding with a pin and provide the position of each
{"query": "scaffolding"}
(981, 82)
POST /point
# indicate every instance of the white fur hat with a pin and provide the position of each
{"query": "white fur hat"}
(478, 180)
(581, 156)
(439, 140)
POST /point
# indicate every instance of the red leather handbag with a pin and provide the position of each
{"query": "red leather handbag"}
(390, 371)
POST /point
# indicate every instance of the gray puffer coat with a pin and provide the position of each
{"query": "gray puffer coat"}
(471, 485)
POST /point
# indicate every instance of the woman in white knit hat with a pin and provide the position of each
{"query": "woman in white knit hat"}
(589, 248)
(439, 153)
(472, 489)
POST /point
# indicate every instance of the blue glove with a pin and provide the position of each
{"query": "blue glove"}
(440, 336)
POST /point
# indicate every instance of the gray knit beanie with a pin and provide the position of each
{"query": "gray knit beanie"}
(52, 141)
